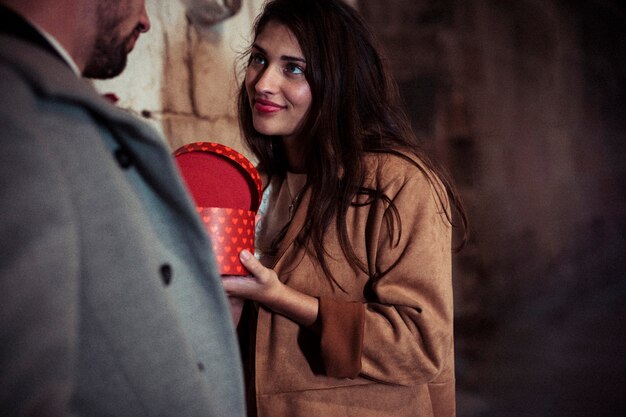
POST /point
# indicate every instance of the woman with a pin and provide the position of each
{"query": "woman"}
(351, 302)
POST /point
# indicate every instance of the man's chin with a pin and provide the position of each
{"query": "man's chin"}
(105, 70)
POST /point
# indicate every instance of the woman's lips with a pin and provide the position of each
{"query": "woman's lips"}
(266, 106)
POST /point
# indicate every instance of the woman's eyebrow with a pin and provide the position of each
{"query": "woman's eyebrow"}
(256, 46)
(293, 58)
(283, 57)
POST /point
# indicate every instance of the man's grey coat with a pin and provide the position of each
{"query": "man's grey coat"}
(109, 303)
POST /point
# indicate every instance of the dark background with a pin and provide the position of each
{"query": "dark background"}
(525, 103)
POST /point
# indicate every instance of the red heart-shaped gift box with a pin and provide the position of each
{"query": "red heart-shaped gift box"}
(227, 190)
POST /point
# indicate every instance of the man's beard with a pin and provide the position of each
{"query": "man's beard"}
(110, 51)
(108, 58)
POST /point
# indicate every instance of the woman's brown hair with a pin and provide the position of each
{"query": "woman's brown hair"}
(355, 110)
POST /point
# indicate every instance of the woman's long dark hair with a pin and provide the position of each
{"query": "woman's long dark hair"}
(355, 110)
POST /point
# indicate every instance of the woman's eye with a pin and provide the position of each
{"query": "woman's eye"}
(294, 69)
(257, 59)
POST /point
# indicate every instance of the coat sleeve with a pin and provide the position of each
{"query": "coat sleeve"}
(404, 333)
(39, 272)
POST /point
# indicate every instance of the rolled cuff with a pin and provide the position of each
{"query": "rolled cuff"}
(341, 329)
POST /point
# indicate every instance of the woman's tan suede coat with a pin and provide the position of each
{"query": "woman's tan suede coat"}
(385, 347)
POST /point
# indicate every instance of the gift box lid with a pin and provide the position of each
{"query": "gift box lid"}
(219, 176)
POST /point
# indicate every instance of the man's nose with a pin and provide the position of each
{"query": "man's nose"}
(144, 20)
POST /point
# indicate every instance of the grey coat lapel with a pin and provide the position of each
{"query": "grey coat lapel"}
(53, 79)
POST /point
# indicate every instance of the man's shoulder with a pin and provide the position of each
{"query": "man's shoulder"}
(31, 74)
(25, 110)
(31, 60)
(13, 74)
(45, 74)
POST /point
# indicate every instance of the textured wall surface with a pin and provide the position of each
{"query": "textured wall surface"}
(182, 75)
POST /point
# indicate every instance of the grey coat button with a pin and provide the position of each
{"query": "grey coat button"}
(123, 157)
(166, 274)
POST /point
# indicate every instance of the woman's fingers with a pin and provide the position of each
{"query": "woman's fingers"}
(255, 267)
(262, 285)
(237, 286)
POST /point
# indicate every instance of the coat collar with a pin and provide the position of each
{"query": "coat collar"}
(52, 79)
(13, 24)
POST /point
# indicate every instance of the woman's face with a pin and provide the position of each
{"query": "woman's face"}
(279, 93)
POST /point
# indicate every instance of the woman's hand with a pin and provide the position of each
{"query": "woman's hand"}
(264, 287)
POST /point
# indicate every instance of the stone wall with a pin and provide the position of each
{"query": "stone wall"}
(182, 76)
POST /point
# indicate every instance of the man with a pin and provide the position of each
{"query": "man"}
(109, 303)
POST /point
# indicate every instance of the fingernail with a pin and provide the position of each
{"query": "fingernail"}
(245, 255)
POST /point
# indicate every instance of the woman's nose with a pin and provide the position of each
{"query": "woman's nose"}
(268, 80)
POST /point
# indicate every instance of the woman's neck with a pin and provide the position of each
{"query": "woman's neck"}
(295, 155)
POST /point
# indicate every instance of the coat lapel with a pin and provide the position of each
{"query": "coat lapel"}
(297, 223)
(153, 159)
(15, 25)
(55, 80)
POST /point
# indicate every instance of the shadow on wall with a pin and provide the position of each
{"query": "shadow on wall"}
(540, 160)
